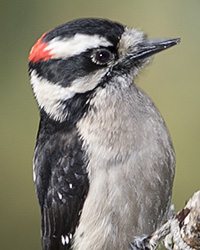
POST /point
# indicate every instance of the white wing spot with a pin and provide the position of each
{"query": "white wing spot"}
(63, 240)
(67, 239)
(70, 236)
(60, 195)
(70, 185)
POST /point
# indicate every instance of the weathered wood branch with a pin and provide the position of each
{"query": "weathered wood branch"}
(182, 232)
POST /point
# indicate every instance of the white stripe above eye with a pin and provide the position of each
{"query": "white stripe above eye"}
(75, 45)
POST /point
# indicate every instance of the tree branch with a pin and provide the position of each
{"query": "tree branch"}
(182, 232)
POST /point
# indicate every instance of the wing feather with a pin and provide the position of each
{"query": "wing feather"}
(61, 185)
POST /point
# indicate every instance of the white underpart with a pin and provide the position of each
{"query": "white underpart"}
(75, 45)
(115, 138)
(50, 95)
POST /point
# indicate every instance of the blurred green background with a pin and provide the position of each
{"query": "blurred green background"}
(172, 81)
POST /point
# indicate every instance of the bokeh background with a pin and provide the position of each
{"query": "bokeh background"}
(172, 80)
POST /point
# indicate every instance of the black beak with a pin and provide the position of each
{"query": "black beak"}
(147, 48)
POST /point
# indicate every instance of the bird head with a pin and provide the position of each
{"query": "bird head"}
(70, 63)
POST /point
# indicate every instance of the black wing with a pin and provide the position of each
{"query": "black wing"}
(61, 184)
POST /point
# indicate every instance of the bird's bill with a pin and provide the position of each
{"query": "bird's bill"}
(149, 47)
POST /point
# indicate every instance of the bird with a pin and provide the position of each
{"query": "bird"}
(104, 161)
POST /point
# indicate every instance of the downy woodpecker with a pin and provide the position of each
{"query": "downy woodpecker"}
(104, 161)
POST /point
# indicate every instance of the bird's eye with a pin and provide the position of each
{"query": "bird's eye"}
(102, 56)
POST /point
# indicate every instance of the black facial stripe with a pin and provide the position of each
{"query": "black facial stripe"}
(65, 71)
(77, 106)
(74, 107)
(110, 30)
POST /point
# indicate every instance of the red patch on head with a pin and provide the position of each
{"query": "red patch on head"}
(39, 51)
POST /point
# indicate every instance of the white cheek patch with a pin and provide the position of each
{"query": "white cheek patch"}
(50, 95)
(75, 45)
(89, 82)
